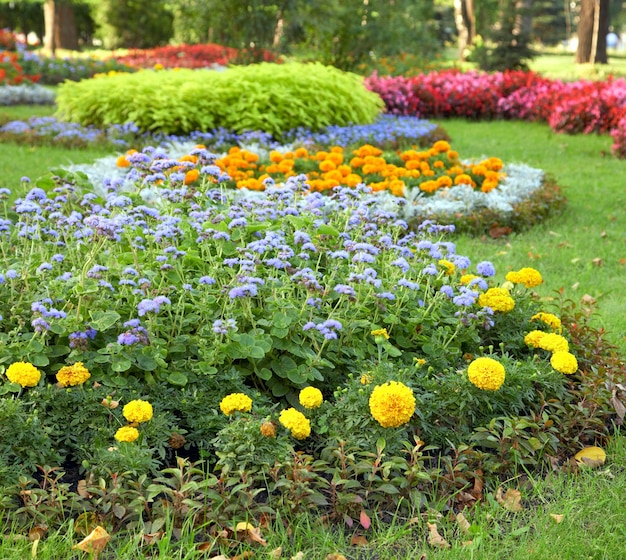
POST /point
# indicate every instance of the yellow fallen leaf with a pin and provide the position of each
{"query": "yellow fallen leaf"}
(462, 522)
(510, 500)
(298, 556)
(335, 556)
(276, 553)
(591, 456)
(94, 542)
(434, 538)
(358, 540)
(557, 517)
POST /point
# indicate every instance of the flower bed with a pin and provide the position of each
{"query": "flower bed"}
(577, 107)
(178, 316)
(186, 56)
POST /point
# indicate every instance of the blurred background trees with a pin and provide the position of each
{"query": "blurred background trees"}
(496, 33)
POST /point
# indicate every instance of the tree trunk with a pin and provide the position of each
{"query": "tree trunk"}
(593, 27)
(465, 24)
(60, 26)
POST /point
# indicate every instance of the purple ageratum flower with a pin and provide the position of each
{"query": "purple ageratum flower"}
(308, 326)
(152, 305)
(237, 222)
(338, 254)
(386, 295)
(447, 291)
(247, 290)
(465, 298)
(408, 284)
(40, 325)
(94, 271)
(130, 271)
(430, 269)
(11, 274)
(57, 258)
(363, 257)
(401, 263)
(44, 266)
(64, 277)
(344, 289)
(206, 280)
(485, 268)
(223, 327)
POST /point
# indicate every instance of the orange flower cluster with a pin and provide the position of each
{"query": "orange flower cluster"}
(191, 175)
(428, 170)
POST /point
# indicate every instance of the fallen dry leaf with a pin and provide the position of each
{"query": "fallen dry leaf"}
(591, 456)
(358, 540)
(151, 538)
(37, 532)
(510, 500)
(587, 300)
(597, 261)
(298, 556)
(81, 489)
(365, 520)
(335, 556)
(244, 555)
(556, 517)
(462, 522)
(276, 553)
(434, 538)
(251, 533)
(467, 543)
(95, 542)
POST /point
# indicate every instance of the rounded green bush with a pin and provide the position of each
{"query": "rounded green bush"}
(273, 98)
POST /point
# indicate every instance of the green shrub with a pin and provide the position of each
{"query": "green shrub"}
(269, 97)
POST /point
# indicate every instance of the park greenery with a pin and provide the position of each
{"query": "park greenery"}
(283, 297)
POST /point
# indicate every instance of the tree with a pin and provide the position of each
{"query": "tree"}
(593, 27)
(60, 25)
(465, 19)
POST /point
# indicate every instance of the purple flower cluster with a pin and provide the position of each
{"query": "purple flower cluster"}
(328, 328)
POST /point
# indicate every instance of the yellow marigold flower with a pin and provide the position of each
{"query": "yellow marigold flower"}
(533, 338)
(553, 342)
(449, 266)
(392, 404)
(24, 374)
(498, 299)
(564, 362)
(235, 402)
(137, 411)
(127, 434)
(380, 332)
(467, 278)
(441, 146)
(158, 66)
(365, 379)
(296, 422)
(311, 397)
(419, 362)
(549, 319)
(76, 374)
(486, 373)
(527, 276)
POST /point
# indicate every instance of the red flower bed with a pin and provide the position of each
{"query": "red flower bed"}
(11, 73)
(582, 107)
(186, 56)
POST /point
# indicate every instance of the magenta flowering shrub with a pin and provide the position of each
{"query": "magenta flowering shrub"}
(582, 107)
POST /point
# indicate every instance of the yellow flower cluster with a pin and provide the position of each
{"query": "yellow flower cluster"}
(127, 434)
(527, 276)
(549, 319)
(553, 342)
(235, 402)
(137, 411)
(311, 397)
(296, 422)
(24, 374)
(497, 299)
(561, 360)
(486, 373)
(564, 362)
(76, 374)
(392, 404)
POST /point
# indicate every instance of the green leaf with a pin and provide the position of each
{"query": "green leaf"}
(39, 360)
(103, 320)
(120, 364)
(177, 378)
(284, 366)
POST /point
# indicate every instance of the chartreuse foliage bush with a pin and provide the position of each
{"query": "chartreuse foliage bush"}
(268, 97)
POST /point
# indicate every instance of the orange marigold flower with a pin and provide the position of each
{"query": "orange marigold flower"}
(191, 176)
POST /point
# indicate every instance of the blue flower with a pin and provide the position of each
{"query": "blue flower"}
(485, 268)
